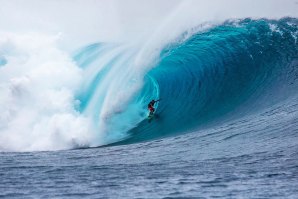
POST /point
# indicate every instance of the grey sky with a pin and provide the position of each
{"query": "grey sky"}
(84, 21)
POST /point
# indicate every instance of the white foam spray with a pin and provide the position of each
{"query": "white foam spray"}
(37, 102)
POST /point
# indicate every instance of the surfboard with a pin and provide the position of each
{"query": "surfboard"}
(150, 117)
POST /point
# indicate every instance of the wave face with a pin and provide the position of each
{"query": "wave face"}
(229, 71)
(225, 72)
(203, 78)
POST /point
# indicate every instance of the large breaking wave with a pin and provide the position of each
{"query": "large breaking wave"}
(204, 78)
(199, 79)
(231, 70)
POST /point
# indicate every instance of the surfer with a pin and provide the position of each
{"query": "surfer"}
(151, 106)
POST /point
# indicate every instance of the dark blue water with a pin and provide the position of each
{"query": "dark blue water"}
(227, 125)
(254, 157)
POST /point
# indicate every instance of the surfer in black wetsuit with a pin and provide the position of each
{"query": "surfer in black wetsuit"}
(150, 106)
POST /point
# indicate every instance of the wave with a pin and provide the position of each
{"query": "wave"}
(204, 77)
(225, 72)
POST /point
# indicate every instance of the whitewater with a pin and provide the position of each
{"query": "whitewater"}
(74, 91)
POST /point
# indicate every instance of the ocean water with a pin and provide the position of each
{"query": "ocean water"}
(75, 126)
(252, 157)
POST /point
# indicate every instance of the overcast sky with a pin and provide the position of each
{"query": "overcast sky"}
(85, 21)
